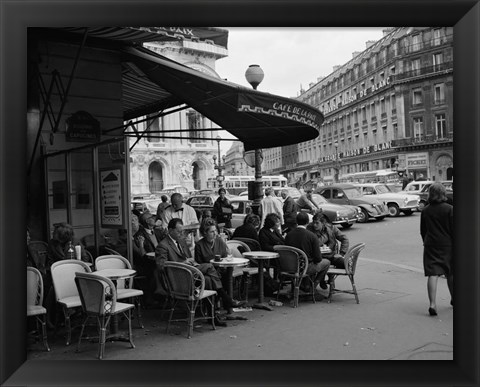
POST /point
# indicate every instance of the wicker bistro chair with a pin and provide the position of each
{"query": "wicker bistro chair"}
(66, 293)
(99, 299)
(124, 286)
(350, 260)
(241, 275)
(38, 251)
(293, 264)
(187, 284)
(35, 301)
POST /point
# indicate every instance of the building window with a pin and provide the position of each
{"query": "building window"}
(383, 106)
(437, 36)
(416, 42)
(395, 48)
(437, 60)
(417, 96)
(364, 114)
(418, 128)
(373, 112)
(439, 93)
(395, 131)
(153, 125)
(416, 67)
(393, 102)
(392, 70)
(440, 126)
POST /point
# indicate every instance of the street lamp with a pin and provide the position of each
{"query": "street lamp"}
(337, 162)
(220, 166)
(254, 76)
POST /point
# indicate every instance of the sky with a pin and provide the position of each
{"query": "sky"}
(291, 57)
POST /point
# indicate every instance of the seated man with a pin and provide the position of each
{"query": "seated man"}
(174, 248)
(306, 202)
(328, 235)
(307, 241)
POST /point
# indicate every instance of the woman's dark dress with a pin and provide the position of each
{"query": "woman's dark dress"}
(436, 229)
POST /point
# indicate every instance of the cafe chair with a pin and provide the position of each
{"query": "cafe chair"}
(186, 284)
(35, 301)
(124, 286)
(350, 260)
(98, 297)
(241, 276)
(38, 251)
(292, 267)
(66, 293)
(253, 244)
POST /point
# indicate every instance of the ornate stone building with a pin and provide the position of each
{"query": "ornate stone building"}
(390, 107)
(234, 162)
(174, 153)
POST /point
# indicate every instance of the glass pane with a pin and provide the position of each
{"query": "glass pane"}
(57, 190)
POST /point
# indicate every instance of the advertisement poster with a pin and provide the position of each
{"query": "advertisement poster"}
(111, 198)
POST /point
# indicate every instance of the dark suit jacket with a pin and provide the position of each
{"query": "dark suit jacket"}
(306, 241)
(148, 245)
(268, 239)
(290, 210)
(167, 250)
(436, 224)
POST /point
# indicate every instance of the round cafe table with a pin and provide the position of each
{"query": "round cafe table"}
(115, 275)
(229, 264)
(260, 256)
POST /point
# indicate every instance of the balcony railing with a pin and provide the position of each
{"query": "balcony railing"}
(424, 139)
(424, 71)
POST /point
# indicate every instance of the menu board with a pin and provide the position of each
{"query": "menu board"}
(111, 198)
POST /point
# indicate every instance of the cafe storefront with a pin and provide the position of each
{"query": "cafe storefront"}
(87, 90)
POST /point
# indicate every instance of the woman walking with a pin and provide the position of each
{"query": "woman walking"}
(436, 229)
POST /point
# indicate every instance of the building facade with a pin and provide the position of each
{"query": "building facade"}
(171, 151)
(235, 165)
(389, 108)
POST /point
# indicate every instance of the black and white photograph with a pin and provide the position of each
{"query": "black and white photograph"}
(243, 194)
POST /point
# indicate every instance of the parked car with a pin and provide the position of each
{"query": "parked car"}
(202, 202)
(338, 214)
(396, 202)
(414, 187)
(344, 193)
(143, 205)
(423, 195)
(241, 207)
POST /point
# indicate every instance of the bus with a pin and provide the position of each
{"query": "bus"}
(237, 184)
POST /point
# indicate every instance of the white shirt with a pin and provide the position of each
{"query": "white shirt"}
(271, 204)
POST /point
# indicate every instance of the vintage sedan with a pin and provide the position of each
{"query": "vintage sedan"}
(343, 193)
(396, 202)
(423, 194)
(343, 215)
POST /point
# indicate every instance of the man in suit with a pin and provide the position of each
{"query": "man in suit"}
(290, 210)
(308, 242)
(174, 248)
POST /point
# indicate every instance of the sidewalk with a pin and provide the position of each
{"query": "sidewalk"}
(390, 323)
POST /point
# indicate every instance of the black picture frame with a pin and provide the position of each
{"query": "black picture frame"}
(18, 15)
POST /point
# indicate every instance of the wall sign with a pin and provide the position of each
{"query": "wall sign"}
(82, 127)
(111, 198)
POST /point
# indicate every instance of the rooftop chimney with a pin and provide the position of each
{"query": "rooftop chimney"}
(386, 31)
(336, 67)
(370, 43)
(355, 53)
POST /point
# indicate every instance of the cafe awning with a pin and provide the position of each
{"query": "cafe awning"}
(258, 119)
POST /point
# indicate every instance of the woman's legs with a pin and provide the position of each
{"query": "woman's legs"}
(432, 290)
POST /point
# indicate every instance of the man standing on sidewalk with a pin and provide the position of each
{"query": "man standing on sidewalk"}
(308, 242)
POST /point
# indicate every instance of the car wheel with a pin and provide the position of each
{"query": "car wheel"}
(408, 212)
(393, 210)
(363, 216)
(421, 205)
(347, 225)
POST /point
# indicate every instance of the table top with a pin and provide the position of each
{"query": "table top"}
(115, 274)
(233, 262)
(260, 254)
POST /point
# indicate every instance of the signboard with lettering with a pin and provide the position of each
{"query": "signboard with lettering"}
(290, 109)
(359, 151)
(417, 161)
(82, 127)
(111, 198)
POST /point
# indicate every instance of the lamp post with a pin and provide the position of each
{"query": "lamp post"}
(254, 76)
(337, 162)
(220, 166)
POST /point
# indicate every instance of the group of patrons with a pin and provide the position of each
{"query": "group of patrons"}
(163, 234)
